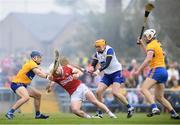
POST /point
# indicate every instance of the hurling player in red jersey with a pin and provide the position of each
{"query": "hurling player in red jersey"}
(67, 77)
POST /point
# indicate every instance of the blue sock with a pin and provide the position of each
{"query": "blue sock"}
(38, 113)
(99, 111)
(153, 106)
(11, 111)
(173, 112)
(128, 106)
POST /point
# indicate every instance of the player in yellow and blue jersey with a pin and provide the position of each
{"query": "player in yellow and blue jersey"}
(157, 76)
(20, 85)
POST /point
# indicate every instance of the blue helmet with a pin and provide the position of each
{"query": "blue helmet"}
(35, 53)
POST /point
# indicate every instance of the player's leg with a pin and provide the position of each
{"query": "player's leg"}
(100, 90)
(34, 93)
(146, 85)
(91, 98)
(159, 94)
(118, 81)
(116, 92)
(116, 87)
(22, 92)
(99, 93)
(76, 108)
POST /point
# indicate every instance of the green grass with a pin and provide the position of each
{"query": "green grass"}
(63, 118)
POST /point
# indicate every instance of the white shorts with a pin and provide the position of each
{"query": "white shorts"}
(80, 93)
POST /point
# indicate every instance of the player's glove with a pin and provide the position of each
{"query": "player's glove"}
(139, 41)
(76, 76)
(95, 73)
(49, 77)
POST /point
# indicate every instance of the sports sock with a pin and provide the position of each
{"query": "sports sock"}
(38, 113)
(153, 106)
(173, 112)
(11, 111)
(129, 106)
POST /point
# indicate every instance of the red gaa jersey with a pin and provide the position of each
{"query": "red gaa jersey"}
(67, 81)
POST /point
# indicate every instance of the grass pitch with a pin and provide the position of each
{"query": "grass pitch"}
(63, 118)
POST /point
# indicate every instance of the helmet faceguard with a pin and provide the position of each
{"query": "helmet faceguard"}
(100, 45)
(149, 35)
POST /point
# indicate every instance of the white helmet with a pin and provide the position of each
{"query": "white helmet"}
(150, 33)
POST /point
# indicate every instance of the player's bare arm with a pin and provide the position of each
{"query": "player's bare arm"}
(146, 61)
(40, 73)
(76, 73)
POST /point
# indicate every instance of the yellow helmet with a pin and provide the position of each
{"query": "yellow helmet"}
(100, 42)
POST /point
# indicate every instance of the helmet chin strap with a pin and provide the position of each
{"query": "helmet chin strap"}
(148, 41)
(38, 63)
(35, 60)
(102, 50)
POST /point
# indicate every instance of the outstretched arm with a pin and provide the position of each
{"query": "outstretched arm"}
(40, 73)
(76, 72)
(145, 62)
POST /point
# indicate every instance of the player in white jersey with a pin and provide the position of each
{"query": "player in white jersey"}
(112, 69)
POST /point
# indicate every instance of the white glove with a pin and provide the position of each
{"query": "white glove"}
(95, 73)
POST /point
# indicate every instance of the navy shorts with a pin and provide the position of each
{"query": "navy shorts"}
(15, 86)
(109, 79)
(159, 74)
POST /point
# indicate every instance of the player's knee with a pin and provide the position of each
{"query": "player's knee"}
(99, 92)
(74, 110)
(26, 98)
(142, 90)
(38, 95)
(115, 93)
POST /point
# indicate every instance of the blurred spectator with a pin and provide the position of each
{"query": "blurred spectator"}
(134, 80)
(177, 66)
(109, 99)
(173, 75)
(9, 67)
(132, 97)
(175, 96)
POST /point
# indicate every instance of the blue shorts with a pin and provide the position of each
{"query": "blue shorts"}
(109, 79)
(15, 86)
(159, 74)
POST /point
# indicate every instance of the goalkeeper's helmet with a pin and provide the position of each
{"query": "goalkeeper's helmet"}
(100, 43)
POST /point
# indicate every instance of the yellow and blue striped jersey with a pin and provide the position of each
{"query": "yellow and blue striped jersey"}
(25, 74)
